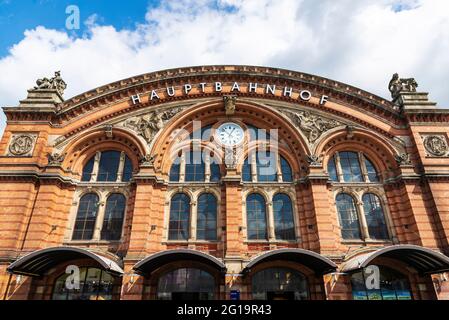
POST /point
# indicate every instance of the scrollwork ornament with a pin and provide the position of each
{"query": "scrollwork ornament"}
(403, 159)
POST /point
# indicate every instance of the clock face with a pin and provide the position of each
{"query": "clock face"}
(230, 134)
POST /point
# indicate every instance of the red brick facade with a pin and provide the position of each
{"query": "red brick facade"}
(48, 141)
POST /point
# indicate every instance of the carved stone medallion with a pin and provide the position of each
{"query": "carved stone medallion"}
(436, 145)
(22, 144)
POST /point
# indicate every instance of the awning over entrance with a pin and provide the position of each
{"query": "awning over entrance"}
(38, 262)
(422, 259)
(310, 259)
(151, 263)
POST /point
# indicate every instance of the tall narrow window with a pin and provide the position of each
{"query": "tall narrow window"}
(349, 222)
(113, 218)
(207, 217)
(86, 217)
(372, 173)
(266, 166)
(332, 169)
(175, 169)
(256, 217)
(87, 170)
(179, 217)
(127, 170)
(195, 166)
(286, 170)
(246, 171)
(350, 165)
(109, 164)
(215, 174)
(375, 218)
(283, 217)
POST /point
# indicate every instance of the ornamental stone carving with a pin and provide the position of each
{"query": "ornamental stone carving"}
(398, 85)
(55, 159)
(436, 145)
(55, 83)
(403, 159)
(231, 158)
(229, 102)
(314, 160)
(312, 125)
(150, 124)
(148, 160)
(22, 144)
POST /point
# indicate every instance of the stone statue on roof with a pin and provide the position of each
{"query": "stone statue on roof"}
(55, 83)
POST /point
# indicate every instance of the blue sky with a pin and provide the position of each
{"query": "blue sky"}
(16, 16)
(361, 43)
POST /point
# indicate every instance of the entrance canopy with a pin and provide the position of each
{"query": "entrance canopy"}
(37, 263)
(422, 259)
(153, 262)
(310, 259)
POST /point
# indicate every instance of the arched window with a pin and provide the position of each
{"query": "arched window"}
(179, 217)
(284, 224)
(95, 284)
(349, 222)
(186, 284)
(194, 163)
(108, 168)
(375, 218)
(266, 163)
(279, 284)
(207, 217)
(350, 165)
(195, 166)
(393, 286)
(113, 217)
(286, 170)
(371, 171)
(256, 217)
(112, 166)
(86, 217)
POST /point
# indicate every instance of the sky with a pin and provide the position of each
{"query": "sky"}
(359, 42)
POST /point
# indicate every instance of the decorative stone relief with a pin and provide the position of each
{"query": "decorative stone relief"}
(55, 83)
(150, 124)
(22, 144)
(231, 158)
(148, 160)
(229, 102)
(312, 125)
(436, 145)
(314, 160)
(403, 159)
(55, 159)
(398, 85)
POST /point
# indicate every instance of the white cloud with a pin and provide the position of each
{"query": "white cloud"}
(358, 42)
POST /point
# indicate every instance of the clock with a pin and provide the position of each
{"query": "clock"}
(230, 134)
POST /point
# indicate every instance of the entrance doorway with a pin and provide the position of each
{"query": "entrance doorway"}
(279, 284)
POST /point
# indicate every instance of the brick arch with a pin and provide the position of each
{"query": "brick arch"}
(247, 112)
(79, 152)
(377, 150)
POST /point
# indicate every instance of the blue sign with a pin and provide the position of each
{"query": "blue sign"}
(235, 295)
